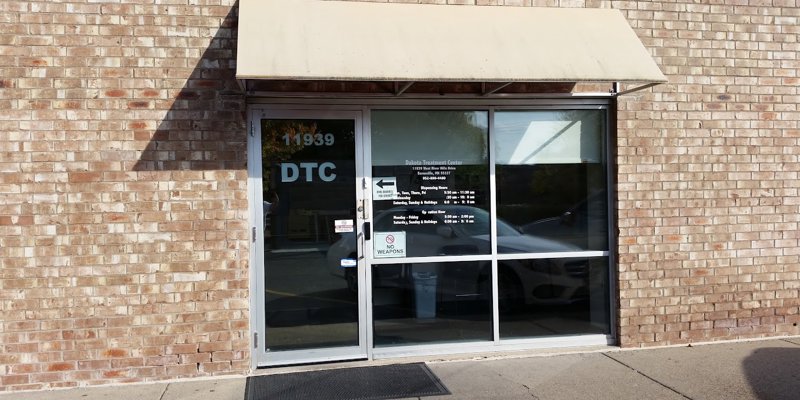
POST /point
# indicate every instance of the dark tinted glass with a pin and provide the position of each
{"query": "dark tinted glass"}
(551, 180)
(431, 303)
(556, 296)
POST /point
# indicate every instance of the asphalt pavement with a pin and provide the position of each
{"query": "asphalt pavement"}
(762, 369)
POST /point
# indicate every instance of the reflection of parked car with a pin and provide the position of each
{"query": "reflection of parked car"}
(521, 282)
(584, 224)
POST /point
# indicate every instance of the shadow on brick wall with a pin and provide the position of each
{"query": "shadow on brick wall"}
(204, 128)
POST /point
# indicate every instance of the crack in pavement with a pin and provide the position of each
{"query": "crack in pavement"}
(530, 391)
(528, 388)
(648, 377)
(164, 392)
(789, 341)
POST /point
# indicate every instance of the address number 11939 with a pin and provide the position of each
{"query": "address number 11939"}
(309, 139)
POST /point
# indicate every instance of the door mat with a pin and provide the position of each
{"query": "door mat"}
(362, 383)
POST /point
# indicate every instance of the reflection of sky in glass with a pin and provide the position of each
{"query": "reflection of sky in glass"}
(402, 135)
(548, 137)
(480, 119)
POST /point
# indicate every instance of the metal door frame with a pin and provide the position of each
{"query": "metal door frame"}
(260, 357)
(361, 109)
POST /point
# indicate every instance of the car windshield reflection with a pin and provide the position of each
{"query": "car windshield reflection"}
(584, 225)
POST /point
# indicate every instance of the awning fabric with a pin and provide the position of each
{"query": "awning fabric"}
(364, 41)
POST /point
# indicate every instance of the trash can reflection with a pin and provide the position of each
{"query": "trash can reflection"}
(425, 294)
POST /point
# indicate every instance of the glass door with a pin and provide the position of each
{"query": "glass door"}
(311, 269)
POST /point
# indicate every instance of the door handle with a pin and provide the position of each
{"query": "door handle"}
(367, 231)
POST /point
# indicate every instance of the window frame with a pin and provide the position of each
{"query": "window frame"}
(494, 257)
(365, 105)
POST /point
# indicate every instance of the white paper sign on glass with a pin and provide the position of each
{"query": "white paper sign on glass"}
(343, 225)
(384, 188)
(389, 244)
(348, 263)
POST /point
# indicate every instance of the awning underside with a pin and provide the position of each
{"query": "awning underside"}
(404, 43)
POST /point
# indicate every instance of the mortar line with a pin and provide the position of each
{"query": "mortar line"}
(648, 377)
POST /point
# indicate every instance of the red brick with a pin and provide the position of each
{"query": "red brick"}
(115, 353)
(61, 367)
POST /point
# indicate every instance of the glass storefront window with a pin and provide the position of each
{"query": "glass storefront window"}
(428, 303)
(553, 296)
(430, 176)
(551, 197)
(551, 171)
(484, 226)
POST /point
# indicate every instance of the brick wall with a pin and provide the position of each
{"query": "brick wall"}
(123, 208)
(708, 174)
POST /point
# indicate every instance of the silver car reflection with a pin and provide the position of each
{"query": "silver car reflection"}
(584, 224)
(521, 282)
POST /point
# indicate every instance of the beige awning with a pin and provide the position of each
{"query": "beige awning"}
(364, 41)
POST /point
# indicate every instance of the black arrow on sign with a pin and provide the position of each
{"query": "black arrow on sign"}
(381, 183)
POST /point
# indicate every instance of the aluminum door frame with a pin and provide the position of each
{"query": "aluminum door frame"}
(260, 357)
(315, 106)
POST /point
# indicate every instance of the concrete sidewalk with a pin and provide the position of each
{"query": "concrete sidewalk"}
(765, 369)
